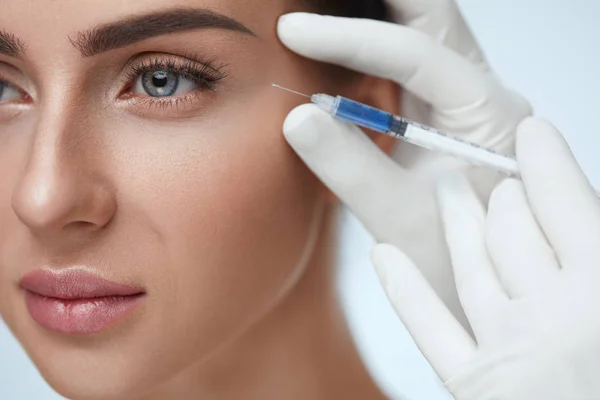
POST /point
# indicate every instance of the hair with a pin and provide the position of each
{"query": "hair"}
(364, 9)
(369, 9)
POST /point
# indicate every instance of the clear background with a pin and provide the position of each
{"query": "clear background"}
(548, 50)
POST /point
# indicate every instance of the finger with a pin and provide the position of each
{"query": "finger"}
(562, 199)
(349, 164)
(393, 205)
(442, 20)
(523, 258)
(434, 73)
(463, 216)
(439, 336)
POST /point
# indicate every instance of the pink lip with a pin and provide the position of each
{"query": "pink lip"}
(77, 302)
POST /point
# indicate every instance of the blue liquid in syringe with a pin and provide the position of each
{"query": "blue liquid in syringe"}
(365, 116)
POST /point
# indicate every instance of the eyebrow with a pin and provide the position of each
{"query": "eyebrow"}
(10, 45)
(136, 29)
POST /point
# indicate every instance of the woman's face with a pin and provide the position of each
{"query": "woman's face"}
(143, 145)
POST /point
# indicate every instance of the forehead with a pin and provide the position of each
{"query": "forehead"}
(49, 29)
(53, 21)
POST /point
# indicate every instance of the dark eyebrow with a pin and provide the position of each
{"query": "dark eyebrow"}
(10, 45)
(135, 29)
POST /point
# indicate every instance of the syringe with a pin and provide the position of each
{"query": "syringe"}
(413, 132)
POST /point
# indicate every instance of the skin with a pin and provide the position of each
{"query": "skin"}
(214, 216)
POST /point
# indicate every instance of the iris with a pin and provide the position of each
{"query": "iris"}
(160, 83)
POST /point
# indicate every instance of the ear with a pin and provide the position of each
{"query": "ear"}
(384, 95)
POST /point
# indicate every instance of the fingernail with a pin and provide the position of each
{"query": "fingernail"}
(301, 127)
(533, 130)
(294, 26)
(534, 123)
(295, 19)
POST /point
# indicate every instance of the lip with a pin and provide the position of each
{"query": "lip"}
(77, 302)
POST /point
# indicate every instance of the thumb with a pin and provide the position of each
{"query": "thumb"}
(350, 164)
(439, 336)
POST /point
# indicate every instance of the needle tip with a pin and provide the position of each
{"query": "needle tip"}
(290, 90)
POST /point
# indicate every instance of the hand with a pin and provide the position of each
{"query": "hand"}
(528, 278)
(448, 85)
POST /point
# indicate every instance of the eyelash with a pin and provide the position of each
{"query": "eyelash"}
(194, 68)
(203, 72)
(8, 84)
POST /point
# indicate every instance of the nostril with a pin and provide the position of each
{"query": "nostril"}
(82, 225)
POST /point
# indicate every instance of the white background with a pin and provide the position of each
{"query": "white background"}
(548, 50)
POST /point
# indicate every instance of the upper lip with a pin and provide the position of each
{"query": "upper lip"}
(74, 284)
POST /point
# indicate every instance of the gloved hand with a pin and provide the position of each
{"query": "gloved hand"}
(528, 278)
(448, 86)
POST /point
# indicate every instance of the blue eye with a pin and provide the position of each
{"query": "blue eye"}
(163, 83)
(8, 93)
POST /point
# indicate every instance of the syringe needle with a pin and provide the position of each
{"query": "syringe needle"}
(290, 90)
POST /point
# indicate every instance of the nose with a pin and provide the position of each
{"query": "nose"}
(59, 190)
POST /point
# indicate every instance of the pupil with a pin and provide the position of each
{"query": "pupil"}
(160, 79)
(160, 83)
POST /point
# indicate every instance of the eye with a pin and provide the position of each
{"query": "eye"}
(157, 85)
(163, 83)
(164, 76)
(8, 93)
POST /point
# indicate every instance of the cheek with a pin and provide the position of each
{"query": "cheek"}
(249, 217)
(235, 209)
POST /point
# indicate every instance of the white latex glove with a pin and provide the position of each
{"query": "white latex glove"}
(527, 275)
(437, 61)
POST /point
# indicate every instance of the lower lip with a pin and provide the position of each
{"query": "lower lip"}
(80, 316)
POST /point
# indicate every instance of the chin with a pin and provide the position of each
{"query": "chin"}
(87, 379)
(112, 366)
(94, 387)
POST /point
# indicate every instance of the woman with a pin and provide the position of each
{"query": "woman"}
(141, 146)
(148, 250)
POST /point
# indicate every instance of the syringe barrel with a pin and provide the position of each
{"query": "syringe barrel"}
(355, 112)
(472, 153)
(415, 133)
(364, 115)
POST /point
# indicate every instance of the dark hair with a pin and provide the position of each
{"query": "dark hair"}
(370, 9)
(367, 9)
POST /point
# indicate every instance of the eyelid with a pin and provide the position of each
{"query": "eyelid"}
(192, 66)
(4, 78)
(185, 106)
(208, 73)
